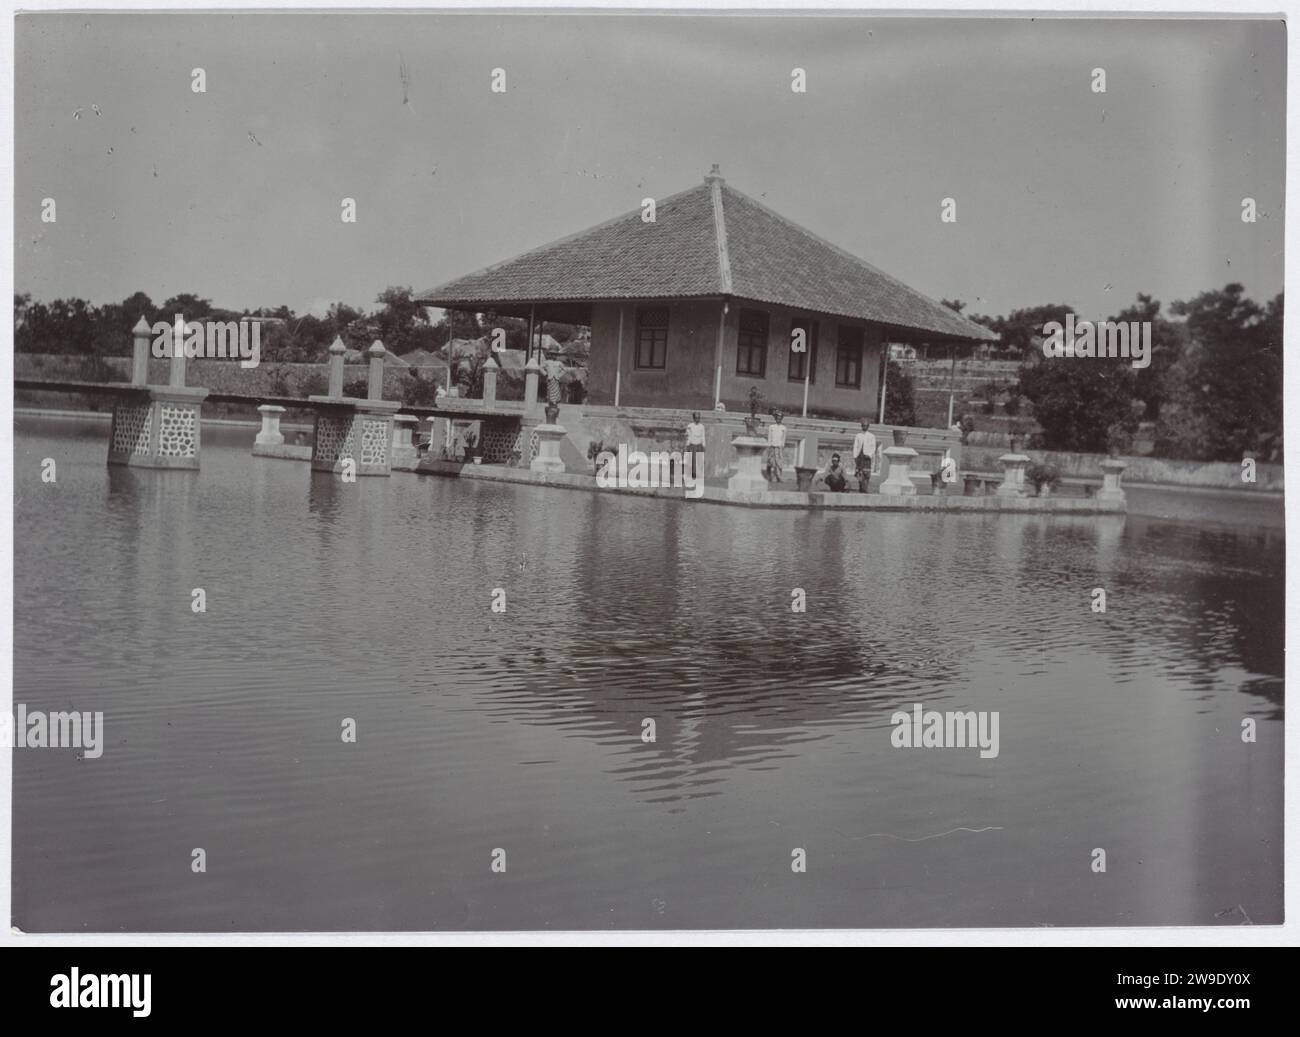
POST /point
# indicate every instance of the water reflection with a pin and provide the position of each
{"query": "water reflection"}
(373, 600)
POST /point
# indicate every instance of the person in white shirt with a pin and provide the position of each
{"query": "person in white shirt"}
(695, 445)
(775, 447)
(864, 450)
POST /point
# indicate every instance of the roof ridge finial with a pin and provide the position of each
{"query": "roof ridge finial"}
(714, 176)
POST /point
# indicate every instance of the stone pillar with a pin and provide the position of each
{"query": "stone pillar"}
(142, 334)
(898, 481)
(1013, 475)
(532, 370)
(748, 477)
(270, 434)
(337, 349)
(1111, 493)
(176, 374)
(354, 436)
(490, 368)
(157, 427)
(375, 376)
(405, 453)
(548, 449)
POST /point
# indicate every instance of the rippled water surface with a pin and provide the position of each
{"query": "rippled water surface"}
(523, 730)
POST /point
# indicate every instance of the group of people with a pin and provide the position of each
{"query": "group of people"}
(833, 476)
(864, 451)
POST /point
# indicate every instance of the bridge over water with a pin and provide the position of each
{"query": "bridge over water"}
(159, 426)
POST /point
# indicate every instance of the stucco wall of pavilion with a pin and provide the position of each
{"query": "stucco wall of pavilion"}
(687, 378)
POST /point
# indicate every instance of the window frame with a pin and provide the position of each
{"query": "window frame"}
(809, 357)
(747, 350)
(844, 350)
(655, 331)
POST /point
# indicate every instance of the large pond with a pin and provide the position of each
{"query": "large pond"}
(522, 731)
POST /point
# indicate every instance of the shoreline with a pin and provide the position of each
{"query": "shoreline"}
(717, 495)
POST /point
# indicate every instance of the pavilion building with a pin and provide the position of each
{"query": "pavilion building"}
(703, 303)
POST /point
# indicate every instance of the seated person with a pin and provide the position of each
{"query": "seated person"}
(833, 476)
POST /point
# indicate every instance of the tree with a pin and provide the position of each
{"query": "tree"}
(190, 306)
(1021, 334)
(1167, 342)
(1080, 402)
(900, 400)
(398, 316)
(1225, 391)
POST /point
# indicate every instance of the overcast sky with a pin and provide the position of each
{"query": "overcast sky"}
(1062, 194)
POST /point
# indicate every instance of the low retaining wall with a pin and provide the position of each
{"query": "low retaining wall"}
(1223, 475)
(780, 498)
(646, 428)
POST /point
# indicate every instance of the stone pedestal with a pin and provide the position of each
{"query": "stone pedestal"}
(157, 426)
(1111, 492)
(548, 449)
(749, 465)
(350, 429)
(270, 434)
(405, 454)
(1013, 475)
(490, 369)
(438, 435)
(898, 480)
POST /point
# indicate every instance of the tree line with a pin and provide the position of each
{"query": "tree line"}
(1213, 389)
(75, 327)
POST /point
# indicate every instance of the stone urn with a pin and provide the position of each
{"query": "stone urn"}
(552, 414)
(1015, 445)
(900, 437)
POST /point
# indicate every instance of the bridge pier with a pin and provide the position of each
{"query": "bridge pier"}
(351, 433)
(156, 426)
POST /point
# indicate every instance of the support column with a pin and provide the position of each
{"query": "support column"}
(952, 380)
(618, 356)
(176, 375)
(717, 357)
(354, 437)
(337, 349)
(532, 371)
(375, 375)
(157, 426)
(884, 378)
(142, 334)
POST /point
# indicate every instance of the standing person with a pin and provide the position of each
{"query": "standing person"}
(775, 447)
(864, 450)
(695, 445)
